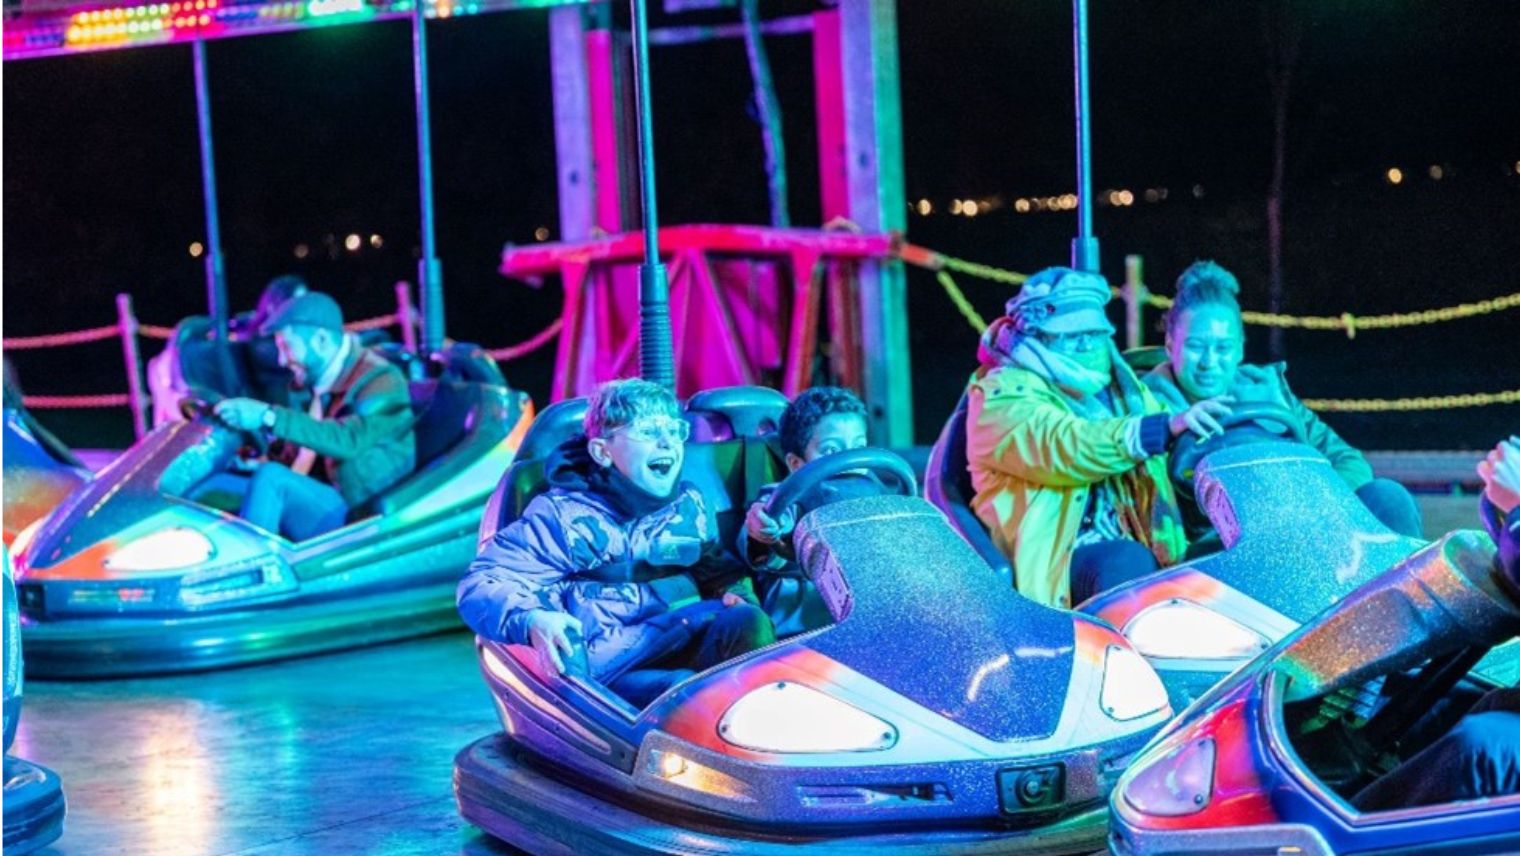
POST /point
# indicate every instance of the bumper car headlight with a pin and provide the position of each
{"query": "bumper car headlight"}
(161, 551)
(1130, 686)
(1180, 629)
(790, 717)
(1178, 783)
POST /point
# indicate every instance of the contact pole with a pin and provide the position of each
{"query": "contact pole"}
(656, 362)
(1084, 248)
(216, 272)
(429, 268)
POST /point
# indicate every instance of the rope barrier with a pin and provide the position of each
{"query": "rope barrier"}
(153, 331)
(56, 340)
(1403, 405)
(376, 323)
(55, 402)
(958, 297)
(543, 337)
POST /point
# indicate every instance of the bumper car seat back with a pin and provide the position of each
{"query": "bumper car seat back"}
(947, 486)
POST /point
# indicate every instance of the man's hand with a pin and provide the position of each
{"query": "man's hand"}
(766, 529)
(241, 414)
(1203, 417)
(732, 599)
(549, 633)
(1500, 472)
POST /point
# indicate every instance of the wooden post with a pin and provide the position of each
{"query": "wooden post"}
(126, 322)
(1134, 294)
(406, 315)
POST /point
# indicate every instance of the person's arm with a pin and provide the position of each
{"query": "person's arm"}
(1015, 428)
(1349, 463)
(763, 545)
(381, 410)
(521, 569)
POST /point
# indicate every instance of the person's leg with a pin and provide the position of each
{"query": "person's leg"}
(733, 631)
(296, 506)
(1096, 568)
(1392, 504)
(1480, 757)
(642, 686)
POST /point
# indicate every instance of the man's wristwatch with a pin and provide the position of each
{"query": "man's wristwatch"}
(267, 419)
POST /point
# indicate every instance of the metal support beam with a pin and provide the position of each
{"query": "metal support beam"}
(573, 152)
(1084, 248)
(860, 39)
(656, 362)
(429, 268)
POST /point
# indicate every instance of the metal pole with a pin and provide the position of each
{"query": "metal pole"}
(656, 362)
(429, 268)
(1134, 293)
(127, 322)
(216, 272)
(406, 316)
(1084, 248)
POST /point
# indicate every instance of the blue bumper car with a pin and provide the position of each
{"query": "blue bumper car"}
(145, 570)
(1295, 539)
(939, 713)
(40, 471)
(34, 804)
(1272, 759)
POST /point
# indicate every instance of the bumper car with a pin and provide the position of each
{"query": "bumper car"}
(39, 473)
(1295, 540)
(34, 804)
(939, 713)
(145, 570)
(1270, 760)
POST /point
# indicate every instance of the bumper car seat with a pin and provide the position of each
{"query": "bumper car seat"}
(947, 486)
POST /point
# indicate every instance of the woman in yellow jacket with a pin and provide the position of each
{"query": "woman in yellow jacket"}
(1067, 448)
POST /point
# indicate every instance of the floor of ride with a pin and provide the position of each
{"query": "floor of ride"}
(348, 753)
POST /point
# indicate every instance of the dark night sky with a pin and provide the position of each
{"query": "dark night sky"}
(315, 138)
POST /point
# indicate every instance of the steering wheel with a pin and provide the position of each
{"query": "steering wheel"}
(200, 405)
(1281, 423)
(881, 462)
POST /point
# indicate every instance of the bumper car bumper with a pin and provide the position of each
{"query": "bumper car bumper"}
(501, 790)
(112, 646)
(1271, 839)
(34, 806)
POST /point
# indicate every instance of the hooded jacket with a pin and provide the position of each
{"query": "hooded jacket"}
(1034, 462)
(585, 548)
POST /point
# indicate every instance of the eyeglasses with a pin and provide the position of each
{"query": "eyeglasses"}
(653, 430)
(1081, 340)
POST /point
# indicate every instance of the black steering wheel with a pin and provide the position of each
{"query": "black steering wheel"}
(881, 462)
(1250, 422)
(200, 406)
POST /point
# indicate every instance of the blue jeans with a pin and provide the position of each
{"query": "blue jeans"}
(1392, 504)
(1096, 568)
(296, 506)
(1479, 757)
(724, 632)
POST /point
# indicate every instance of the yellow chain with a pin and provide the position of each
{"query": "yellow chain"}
(1429, 402)
(959, 299)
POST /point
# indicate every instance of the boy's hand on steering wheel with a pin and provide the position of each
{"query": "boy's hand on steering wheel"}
(241, 414)
(1203, 417)
(766, 529)
(1500, 472)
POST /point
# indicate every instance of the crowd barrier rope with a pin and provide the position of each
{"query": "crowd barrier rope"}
(1135, 294)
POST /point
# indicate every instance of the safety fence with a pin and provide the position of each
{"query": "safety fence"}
(1137, 297)
(128, 330)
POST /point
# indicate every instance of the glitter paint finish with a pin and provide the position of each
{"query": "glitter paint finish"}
(1440, 600)
(36, 480)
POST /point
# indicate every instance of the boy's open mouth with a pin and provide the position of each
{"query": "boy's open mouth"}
(662, 466)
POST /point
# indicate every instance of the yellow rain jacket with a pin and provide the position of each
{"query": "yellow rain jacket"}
(1033, 463)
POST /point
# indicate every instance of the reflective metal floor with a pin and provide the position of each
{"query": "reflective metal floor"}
(349, 753)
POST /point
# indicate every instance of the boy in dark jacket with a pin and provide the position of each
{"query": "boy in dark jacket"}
(821, 421)
(619, 554)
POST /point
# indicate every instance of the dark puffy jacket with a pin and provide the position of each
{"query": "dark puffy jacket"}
(575, 550)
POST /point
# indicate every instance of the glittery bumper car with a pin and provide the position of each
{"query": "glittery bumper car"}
(40, 471)
(1295, 539)
(147, 570)
(1272, 759)
(34, 803)
(939, 713)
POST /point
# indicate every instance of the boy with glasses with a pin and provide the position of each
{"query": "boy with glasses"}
(615, 569)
